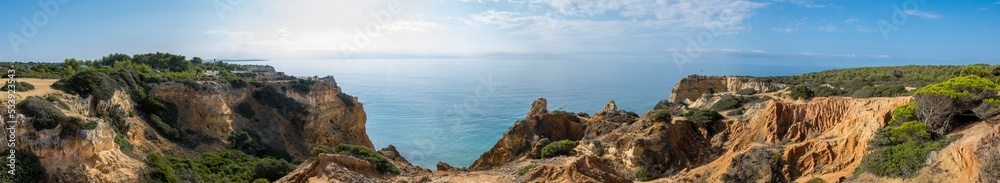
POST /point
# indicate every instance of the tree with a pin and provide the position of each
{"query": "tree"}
(111, 59)
(801, 92)
(196, 60)
(896, 73)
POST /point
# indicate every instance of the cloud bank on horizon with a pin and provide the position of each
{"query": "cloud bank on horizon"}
(783, 30)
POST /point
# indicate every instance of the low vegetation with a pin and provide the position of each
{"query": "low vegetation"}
(245, 110)
(526, 169)
(558, 148)
(727, 102)
(250, 143)
(363, 153)
(990, 170)
(900, 149)
(18, 86)
(703, 117)
(28, 168)
(661, 115)
(222, 166)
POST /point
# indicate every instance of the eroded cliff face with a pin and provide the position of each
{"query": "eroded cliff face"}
(90, 156)
(694, 86)
(282, 115)
(824, 138)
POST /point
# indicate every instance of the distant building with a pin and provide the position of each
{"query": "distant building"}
(211, 72)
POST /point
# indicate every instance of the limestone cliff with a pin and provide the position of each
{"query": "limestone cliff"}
(294, 116)
(694, 86)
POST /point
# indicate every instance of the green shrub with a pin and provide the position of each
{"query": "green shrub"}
(369, 155)
(961, 87)
(19, 86)
(222, 166)
(661, 115)
(902, 160)
(272, 169)
(526, 169)
(823, 91)
(238, 83)
(28, 168)
(913, 131)
(59, 102)
(271, 97)
(45, 115)
(801, 92)
(558, 148)
(904, 113)
(879, 91)
(727, 102)
(976, 70)
(124, 145)
(643, 175)
(737, 111)
(163, 128)
(347, 99)
(250, 143)
(748, 91)
(89, 83)
(245, 110)
(702, 117)
(816, 180)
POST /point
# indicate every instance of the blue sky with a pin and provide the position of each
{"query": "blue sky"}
(778, 31)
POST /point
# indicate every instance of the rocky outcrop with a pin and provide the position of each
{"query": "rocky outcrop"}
(694, 86)
(537, 126)
(581, 169)
(333, 168)
(405, 168)
(87, 156)
(654, 147)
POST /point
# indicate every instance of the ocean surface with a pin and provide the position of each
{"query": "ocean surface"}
(453, 110)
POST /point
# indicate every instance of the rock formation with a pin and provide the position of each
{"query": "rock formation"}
(538, 125)
(694, 86)
(581, 169)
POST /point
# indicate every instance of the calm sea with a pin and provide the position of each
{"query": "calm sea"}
(453, 110)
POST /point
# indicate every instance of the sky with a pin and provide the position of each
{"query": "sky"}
(682, 31)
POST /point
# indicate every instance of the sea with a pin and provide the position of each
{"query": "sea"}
(453, 110)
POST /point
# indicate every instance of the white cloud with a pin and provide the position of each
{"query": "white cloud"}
(724, 15)
(851, 20)
(803, 3)
(863, 29)
(785, 30)
(828, 28)
(923, 14)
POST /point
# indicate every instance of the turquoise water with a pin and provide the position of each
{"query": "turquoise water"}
(453, 110)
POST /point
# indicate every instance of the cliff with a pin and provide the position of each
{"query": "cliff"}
(694, 86)
(291, 116)
(281, 115)
(825, 137)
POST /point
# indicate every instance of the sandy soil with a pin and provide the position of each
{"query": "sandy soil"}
(42, 87)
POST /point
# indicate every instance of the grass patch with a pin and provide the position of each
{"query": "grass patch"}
(526, 169)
